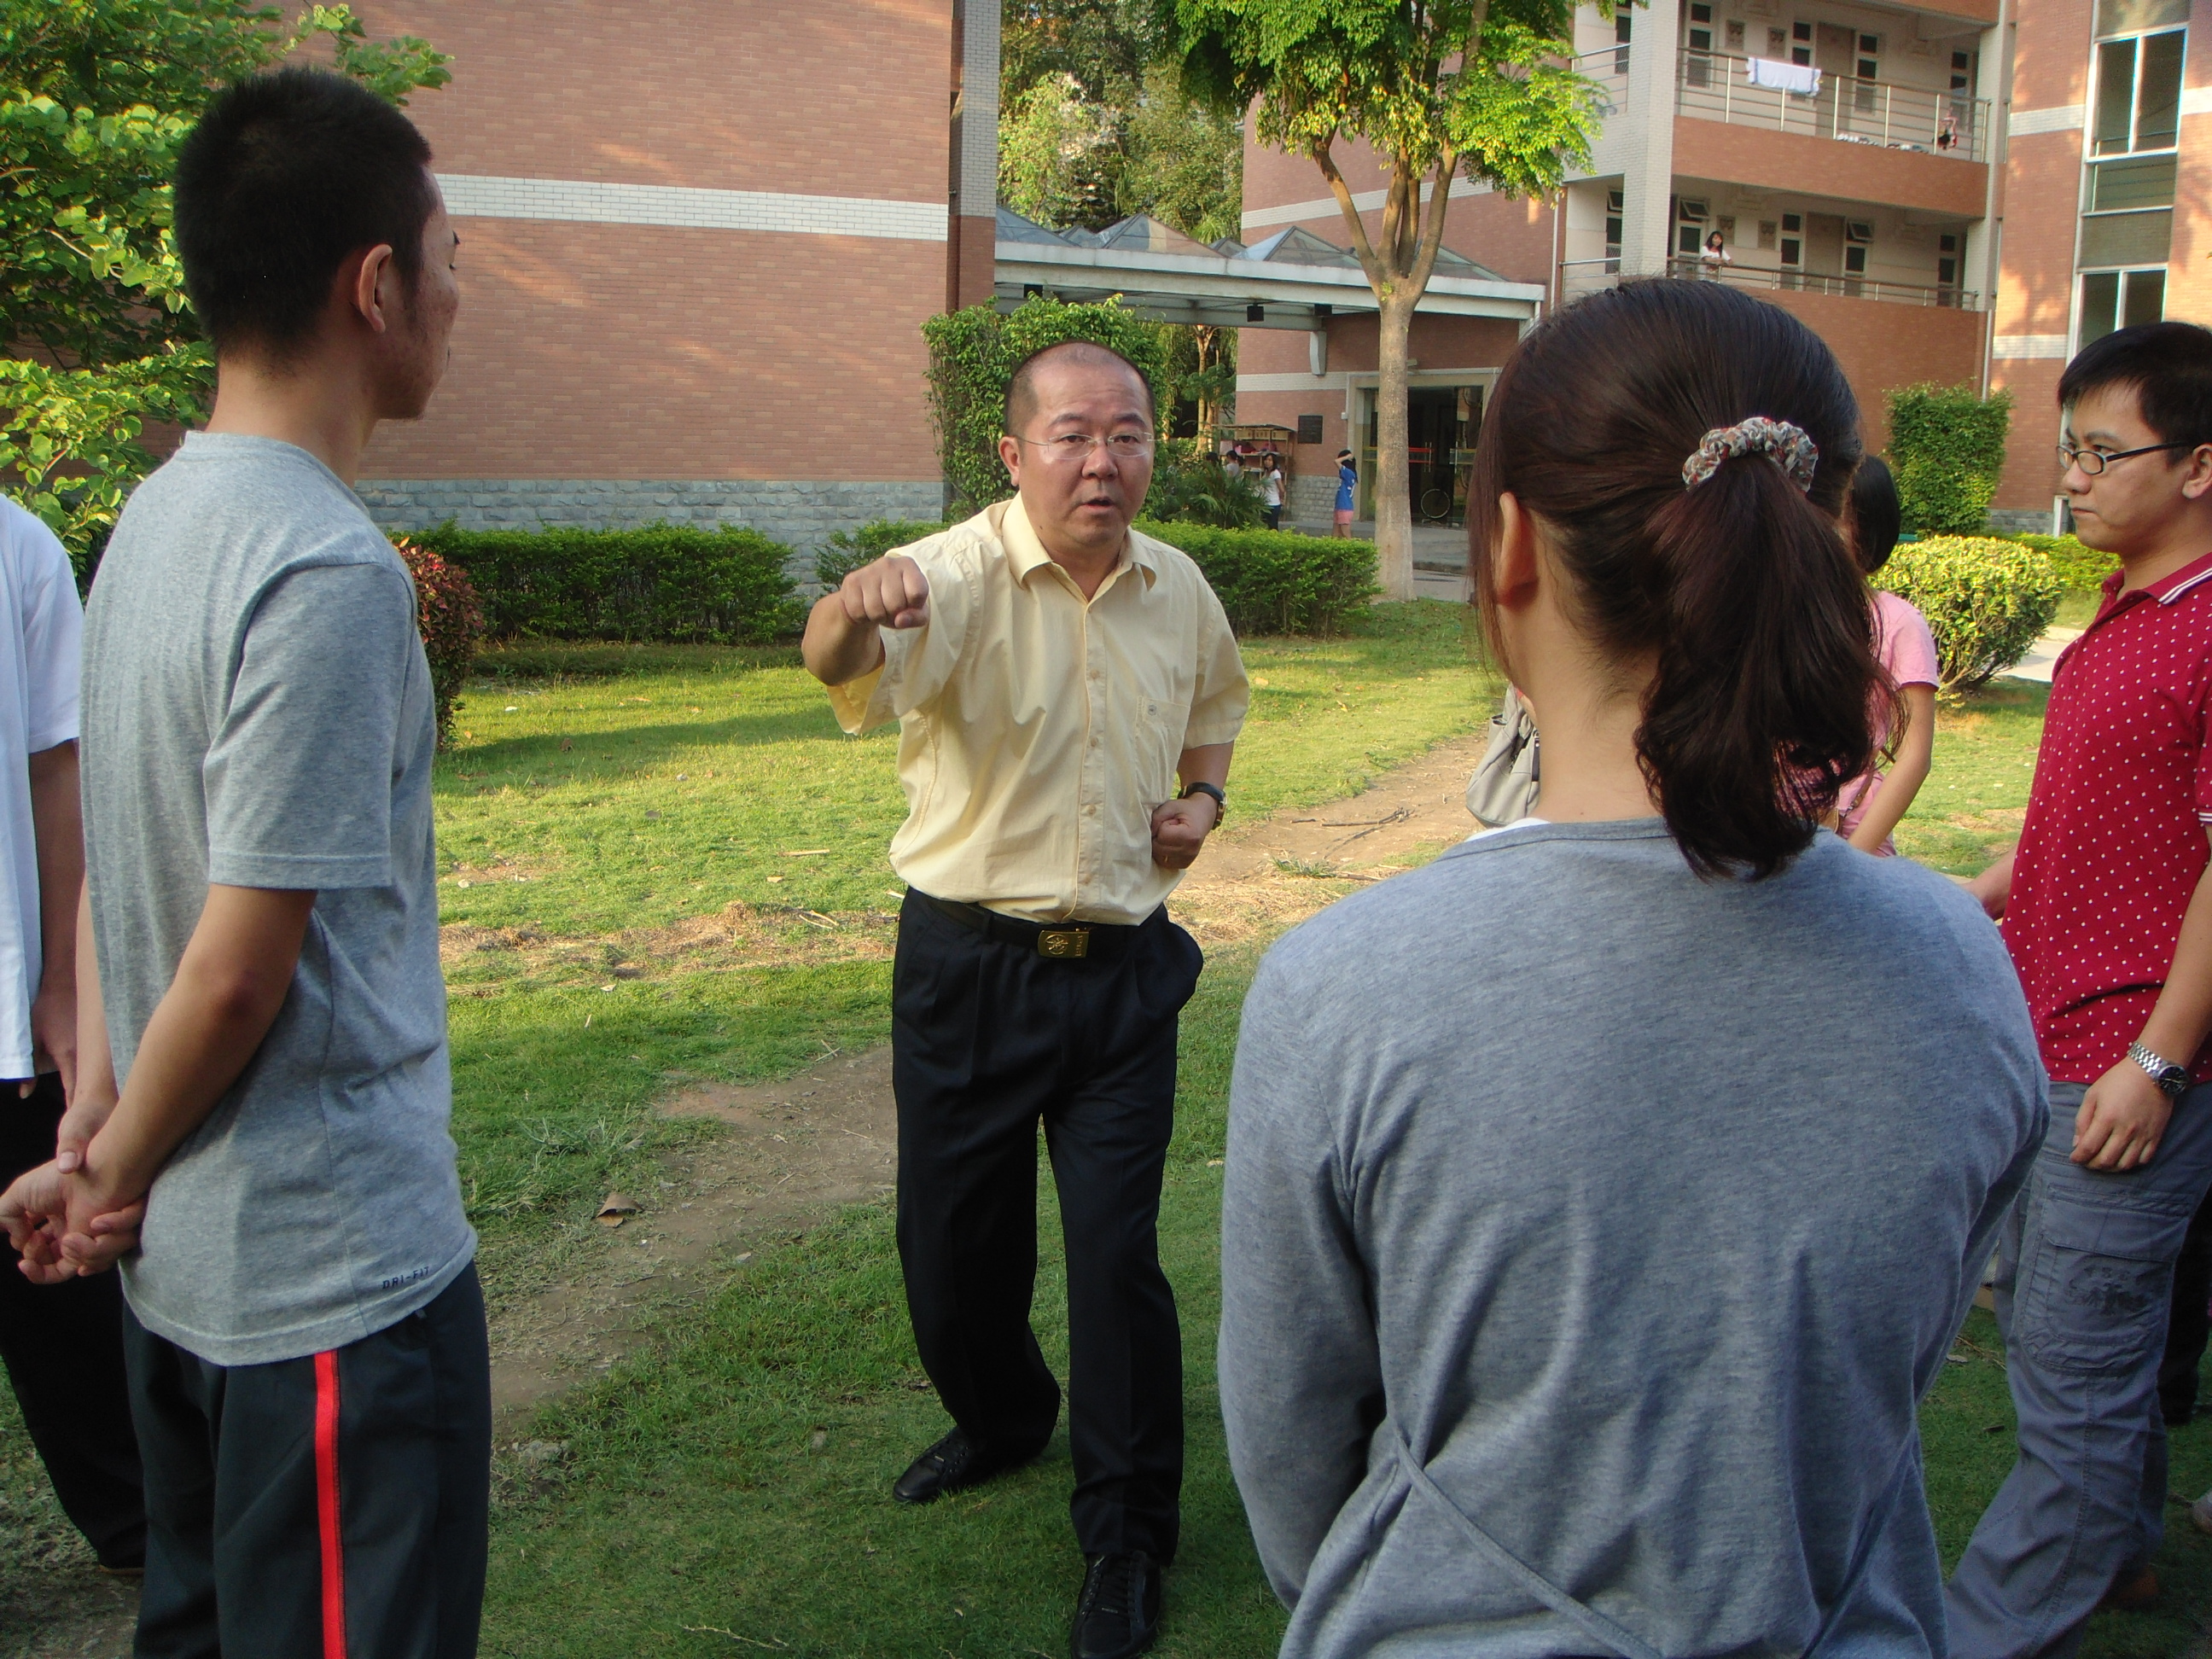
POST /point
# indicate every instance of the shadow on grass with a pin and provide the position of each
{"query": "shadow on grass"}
(607, 755)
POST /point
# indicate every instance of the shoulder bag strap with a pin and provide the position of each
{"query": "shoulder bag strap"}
(1586, 1618)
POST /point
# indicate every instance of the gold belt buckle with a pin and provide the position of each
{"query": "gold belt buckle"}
(1064, 942)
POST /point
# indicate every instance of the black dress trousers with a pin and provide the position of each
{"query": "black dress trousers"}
(990, 1037)
(63, 1345)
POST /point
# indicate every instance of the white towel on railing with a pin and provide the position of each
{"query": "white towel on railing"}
(1801, 78)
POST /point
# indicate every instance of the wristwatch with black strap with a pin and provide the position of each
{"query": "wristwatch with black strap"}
(2173, 1080)
(1221, 800)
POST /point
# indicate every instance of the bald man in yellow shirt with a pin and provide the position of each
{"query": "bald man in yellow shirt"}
(1054, 674)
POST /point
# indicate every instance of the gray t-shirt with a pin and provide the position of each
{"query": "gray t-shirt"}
(258, 713)
(1646, 1208)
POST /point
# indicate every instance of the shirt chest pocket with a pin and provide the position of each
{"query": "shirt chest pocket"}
(1160, 726)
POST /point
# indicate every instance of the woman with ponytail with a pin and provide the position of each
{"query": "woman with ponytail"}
(1584, 1265)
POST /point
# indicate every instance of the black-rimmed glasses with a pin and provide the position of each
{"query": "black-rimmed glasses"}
(2093, 461)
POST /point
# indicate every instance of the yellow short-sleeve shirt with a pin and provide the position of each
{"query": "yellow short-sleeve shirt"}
(1038, 731)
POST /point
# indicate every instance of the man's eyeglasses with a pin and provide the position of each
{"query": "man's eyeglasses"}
(2093, 461)
(1074, 447)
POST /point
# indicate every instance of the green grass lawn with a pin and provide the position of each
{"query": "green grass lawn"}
(725, 1490)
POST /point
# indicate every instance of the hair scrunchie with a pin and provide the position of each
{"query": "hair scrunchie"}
(1788, 446)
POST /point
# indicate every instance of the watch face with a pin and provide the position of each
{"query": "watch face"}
(2174, 1079)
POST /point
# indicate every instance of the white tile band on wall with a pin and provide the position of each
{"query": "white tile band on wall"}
(2058, 118)
(2197, 101)
(480, 196)
(2028, 346)
(1366, 200)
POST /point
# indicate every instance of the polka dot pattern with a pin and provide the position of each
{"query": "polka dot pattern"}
(2115, 838)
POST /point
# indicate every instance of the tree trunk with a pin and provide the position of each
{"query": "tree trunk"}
(1394, 510)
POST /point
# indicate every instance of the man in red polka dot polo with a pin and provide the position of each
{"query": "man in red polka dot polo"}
(2108, 913)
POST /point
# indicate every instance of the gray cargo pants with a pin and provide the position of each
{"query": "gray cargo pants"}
(2085, 1272)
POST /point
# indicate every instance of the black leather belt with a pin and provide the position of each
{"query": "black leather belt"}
(1063, 941)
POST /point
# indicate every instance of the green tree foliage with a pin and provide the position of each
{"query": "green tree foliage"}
(95, 95)
(1202, 366)
(972, 354)
(1184, 160)
(1947, 447)
(1095, 127)
(1191, 486)
(1440, 88)
(1987, 601)
(1059, 156)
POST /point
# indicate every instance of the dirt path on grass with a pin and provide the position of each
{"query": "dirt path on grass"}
(564, 1311)
(803, 1147)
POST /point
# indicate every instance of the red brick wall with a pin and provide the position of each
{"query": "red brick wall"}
(2042, 204)
(623, 351)
(824, 97)
(619, 351)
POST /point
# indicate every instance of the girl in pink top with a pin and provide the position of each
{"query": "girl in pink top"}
(1869, 807)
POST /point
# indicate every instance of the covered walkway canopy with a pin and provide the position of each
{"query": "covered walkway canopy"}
(1292, 280)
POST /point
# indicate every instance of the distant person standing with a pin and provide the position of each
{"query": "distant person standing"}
(1347, 481)
(1870, 806)
(1270, 490)
(305, 1337)
(1713, 257)
(2106, 905)
(1054, 674)
(62, 1341)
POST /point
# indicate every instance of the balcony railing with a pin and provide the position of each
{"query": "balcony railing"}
(1716, 87)
(1580, 276)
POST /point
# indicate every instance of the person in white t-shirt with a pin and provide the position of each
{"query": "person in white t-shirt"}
(62, 1343)
(1271, 489)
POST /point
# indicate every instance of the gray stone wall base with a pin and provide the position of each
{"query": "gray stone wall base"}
(801, 512)
(2021, 520)
(1312, 503)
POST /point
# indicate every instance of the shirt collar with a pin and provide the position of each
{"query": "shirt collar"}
(1026, 553)
(2167, 590)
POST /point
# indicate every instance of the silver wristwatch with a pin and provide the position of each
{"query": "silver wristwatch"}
(2171, 1079)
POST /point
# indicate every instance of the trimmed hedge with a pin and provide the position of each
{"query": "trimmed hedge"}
(1276, 581)
(848, 550)
(1269, 581)
(2082, 569)
(660, 582)
(1986, 601)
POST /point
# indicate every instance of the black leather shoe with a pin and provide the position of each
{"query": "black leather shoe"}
(1118, 1614)
(953, 1464)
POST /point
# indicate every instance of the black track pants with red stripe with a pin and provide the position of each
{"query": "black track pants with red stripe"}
(329, 1507)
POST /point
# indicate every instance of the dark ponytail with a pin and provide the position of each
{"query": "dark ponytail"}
(1741, 590)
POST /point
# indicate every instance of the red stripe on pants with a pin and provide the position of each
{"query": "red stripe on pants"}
(326, 1504)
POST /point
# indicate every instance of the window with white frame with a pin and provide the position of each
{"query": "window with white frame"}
(2128, 173)
(2118, 299)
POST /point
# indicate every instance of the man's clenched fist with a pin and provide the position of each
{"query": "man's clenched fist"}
(893, 592)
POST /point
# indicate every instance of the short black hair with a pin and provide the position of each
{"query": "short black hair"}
(1021, 385)
(285, 175)
(1877, 514)
(2168, 365)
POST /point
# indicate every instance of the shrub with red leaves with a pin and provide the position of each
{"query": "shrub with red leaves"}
(452, 621)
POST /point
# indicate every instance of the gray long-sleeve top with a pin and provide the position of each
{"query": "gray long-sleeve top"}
(1646, 1208)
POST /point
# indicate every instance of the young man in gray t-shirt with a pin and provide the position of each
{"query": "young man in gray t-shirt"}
(304, 1338)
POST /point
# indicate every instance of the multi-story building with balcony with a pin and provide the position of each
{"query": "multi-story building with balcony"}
(2109, 159)
(1836, 158)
